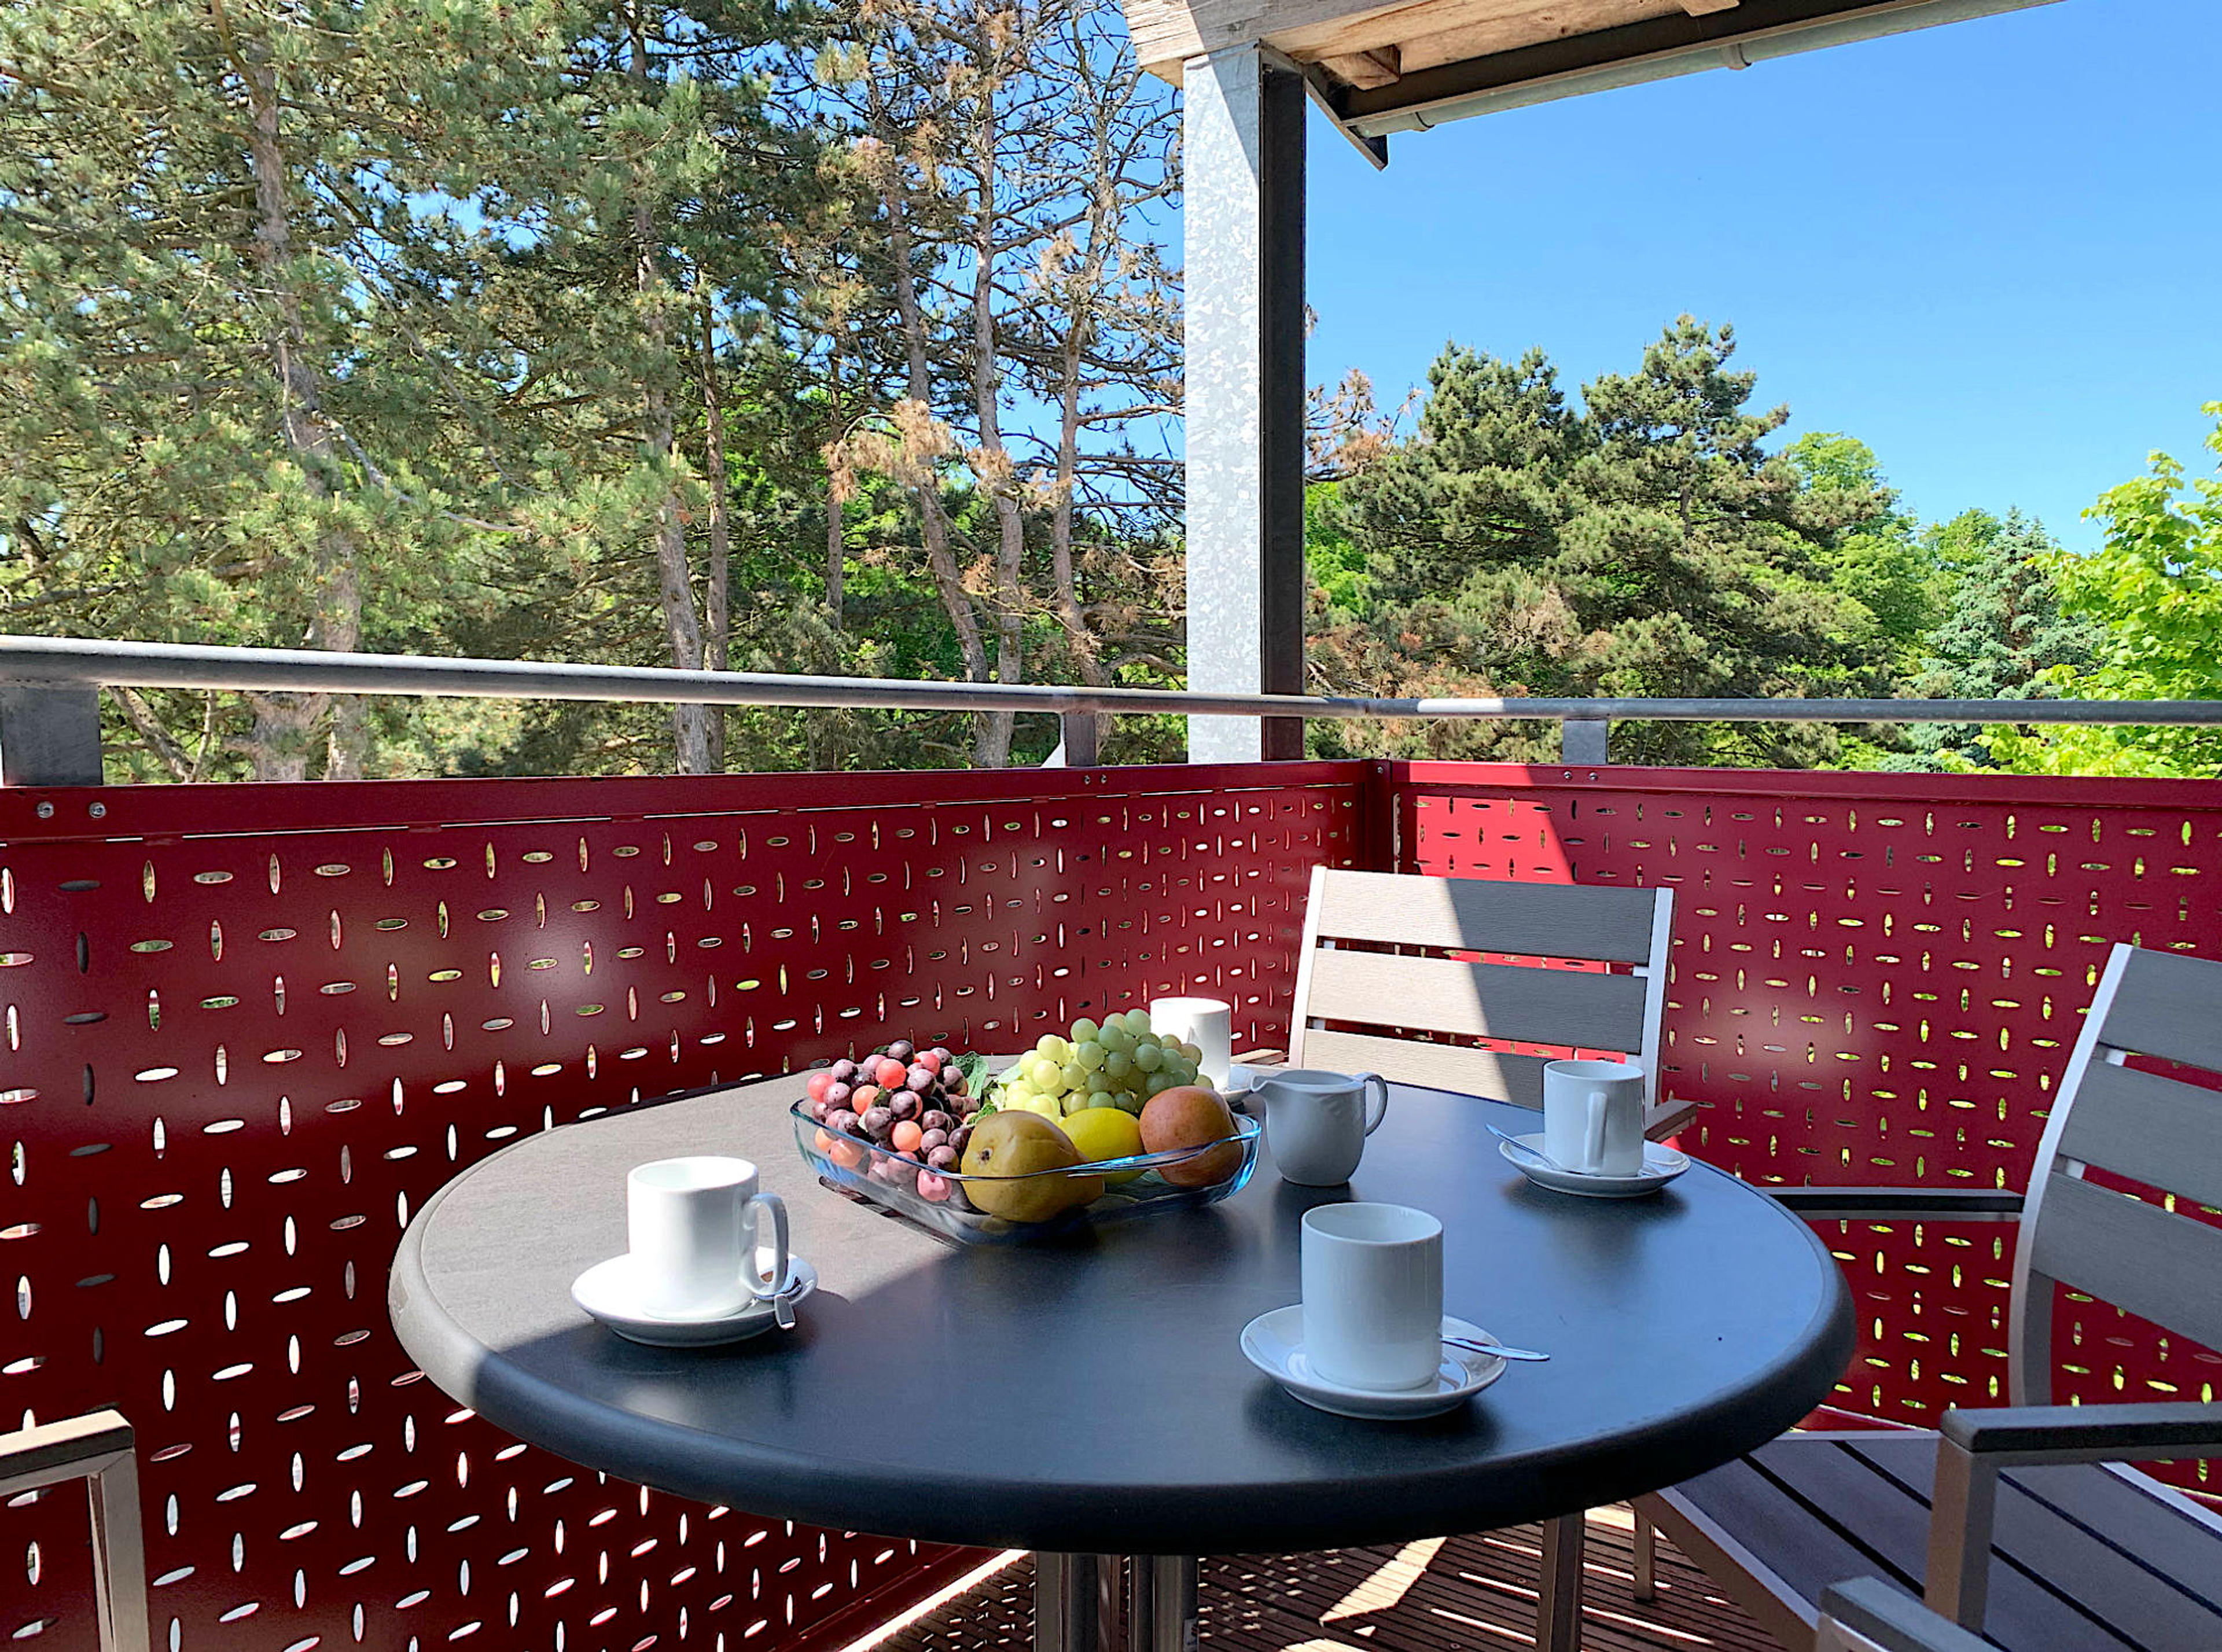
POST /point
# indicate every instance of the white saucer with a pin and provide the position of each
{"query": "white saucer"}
(607, 1291)
(1275, 1344)
(1661, 1166)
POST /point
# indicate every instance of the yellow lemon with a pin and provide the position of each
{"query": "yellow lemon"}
(1102, 1132)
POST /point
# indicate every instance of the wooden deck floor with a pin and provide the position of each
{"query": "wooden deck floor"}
(1458, 1594)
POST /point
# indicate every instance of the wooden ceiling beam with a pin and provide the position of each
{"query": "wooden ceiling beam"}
(1381, 66)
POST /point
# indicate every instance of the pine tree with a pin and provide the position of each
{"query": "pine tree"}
(2002, 634)
(1646, 544)
(244, 373)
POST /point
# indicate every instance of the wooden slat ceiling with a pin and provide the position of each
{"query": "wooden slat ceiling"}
(1376, 46)
(1370, 62)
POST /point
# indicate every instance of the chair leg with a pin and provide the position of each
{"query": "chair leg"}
(1558, 1590)
(1647, 1557)
(119, 1557)
(1960, 1512)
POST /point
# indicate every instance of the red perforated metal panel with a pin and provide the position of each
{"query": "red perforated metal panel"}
(362, 988)
(1876, 979)
(248, 1030)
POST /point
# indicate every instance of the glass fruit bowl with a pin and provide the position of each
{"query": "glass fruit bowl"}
(862, 1169)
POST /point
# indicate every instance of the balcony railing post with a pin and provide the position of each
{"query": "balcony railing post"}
(49, 737)
(1080, 735)
(1585, 740)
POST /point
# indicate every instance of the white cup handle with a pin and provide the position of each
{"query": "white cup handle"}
(1593, 1140)
(762, 1289)
(1375, 1081)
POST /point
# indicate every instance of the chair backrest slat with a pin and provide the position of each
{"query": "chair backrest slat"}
(2131, 1255)
(1497, 1000)
(2169, 1006)
(1393, 1008)
(2150, 1129)
(1515, 1078)
(2157, 1131)
(1469, 914)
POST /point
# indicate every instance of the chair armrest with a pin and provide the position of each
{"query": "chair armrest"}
(2087, 1434)
(1887, 1204)
(1883, 1617)
(1973, 1446)
(72, 1449)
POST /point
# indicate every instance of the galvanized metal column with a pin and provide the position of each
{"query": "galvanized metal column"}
(1244, 225)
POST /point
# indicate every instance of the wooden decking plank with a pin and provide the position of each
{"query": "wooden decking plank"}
(1880, 1490)
(1476, 1595)
(2183, 1544)
(2131, 1562)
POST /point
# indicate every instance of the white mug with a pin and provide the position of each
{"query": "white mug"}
(1205, 1023)
(693, 1226)
(1317, 1123)
(1593, 1116)
(1373, 1295)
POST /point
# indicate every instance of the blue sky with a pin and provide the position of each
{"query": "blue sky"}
(1992, 250)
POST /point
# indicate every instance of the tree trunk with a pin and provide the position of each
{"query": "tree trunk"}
(718, 621)
(141, 717)
(992, 745)
(836, 557)
(1067, 594)
(690, 725)
(948, 583)
(284, 723)
(349, 741)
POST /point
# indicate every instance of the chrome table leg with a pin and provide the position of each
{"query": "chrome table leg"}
(1075, 1603)
(1065, 1603)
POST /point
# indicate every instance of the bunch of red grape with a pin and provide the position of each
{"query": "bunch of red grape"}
(912, 1103)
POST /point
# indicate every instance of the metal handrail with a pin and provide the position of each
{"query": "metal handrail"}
(85, 662)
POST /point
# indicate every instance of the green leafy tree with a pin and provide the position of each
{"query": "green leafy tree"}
(2151, 597)
(1878, 559)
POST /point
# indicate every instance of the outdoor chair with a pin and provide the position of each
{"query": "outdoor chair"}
(1867, 1615)
(1358, 1009)
(1396, 998)
(97, 1448)
(2020, 1523)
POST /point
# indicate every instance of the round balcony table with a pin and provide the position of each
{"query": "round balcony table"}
(1090, 1400)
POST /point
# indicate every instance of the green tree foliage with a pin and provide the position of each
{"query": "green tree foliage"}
(2002, 635)
(1878, 559)
(244, 372)
(588, 330)
(2151, 599)
(1644, 544)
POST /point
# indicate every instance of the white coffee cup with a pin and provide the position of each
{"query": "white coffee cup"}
(1317, 1123)
(1593, 1116)
(1373, 1295)
(1205, 1023)
(692, 1227)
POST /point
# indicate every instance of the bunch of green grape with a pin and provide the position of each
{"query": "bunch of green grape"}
(1121, 1062)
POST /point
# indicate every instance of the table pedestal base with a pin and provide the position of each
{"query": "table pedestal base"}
(1146, 1602)
(1114, 1603)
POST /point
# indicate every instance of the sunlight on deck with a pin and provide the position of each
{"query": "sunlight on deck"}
(1441, 1595)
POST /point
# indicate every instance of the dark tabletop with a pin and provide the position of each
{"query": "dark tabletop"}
(1093, 1395)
